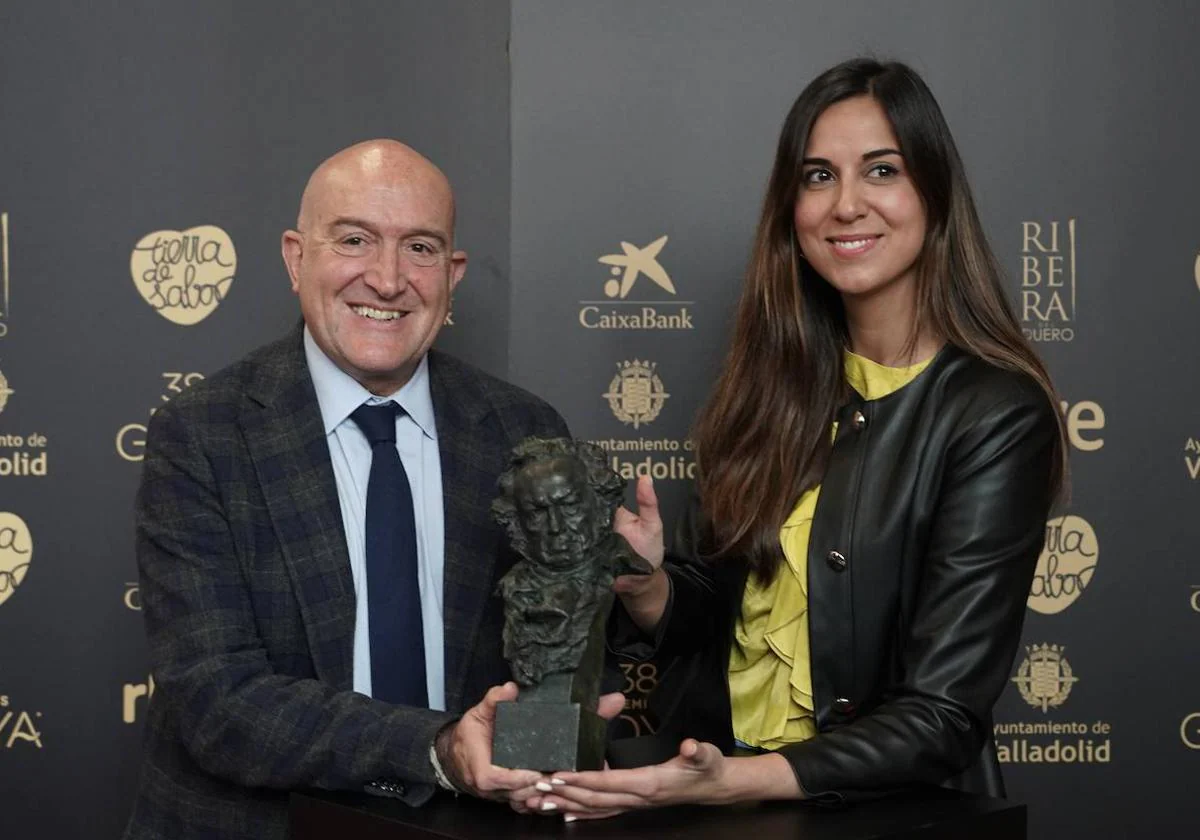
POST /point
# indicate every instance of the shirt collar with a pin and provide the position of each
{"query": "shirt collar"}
(338, 393)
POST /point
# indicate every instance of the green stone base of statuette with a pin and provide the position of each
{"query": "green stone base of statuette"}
(548, 737)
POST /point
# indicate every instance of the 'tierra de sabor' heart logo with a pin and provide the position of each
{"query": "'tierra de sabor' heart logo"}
(184, 275)
(16, 550)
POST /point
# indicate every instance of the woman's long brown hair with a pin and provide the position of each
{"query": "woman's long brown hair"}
(763, 437)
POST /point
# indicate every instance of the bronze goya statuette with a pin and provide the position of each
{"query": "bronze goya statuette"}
(557, 502)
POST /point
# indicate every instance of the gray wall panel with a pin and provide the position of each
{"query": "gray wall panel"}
(625, 122)
(635, 120)
(120, 119)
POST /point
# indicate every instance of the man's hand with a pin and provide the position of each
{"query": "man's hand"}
(464, 749)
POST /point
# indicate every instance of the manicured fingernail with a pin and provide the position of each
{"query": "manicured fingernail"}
(543, 787)
(569, 818)
(549, 806)
(557, 782)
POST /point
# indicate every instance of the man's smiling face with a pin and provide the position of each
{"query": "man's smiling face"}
(373, 261)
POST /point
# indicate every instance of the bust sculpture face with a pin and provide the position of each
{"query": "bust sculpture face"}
(557, 501)
(557, 512)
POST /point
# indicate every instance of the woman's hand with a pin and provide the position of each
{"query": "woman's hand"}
(644, 533)
(699, 775)
(696, 775)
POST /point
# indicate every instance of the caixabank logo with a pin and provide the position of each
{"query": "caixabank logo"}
(639, 293)
(1046, 681)
(184, 275)
(1049, 280)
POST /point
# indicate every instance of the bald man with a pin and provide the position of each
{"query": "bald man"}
(252, 540)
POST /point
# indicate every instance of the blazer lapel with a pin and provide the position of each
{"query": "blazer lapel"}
(286, 441)
(469, 449)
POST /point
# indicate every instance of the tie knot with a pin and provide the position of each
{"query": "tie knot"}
(378, 422)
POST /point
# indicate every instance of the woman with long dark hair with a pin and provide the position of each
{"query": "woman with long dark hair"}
(876, 465)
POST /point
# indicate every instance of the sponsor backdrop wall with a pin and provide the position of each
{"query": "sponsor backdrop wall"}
(609, 160)
(150, 156)
(642, 138)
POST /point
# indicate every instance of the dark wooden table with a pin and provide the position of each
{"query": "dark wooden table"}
(934, 815)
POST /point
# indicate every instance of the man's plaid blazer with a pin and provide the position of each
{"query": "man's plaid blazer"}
(249, 601)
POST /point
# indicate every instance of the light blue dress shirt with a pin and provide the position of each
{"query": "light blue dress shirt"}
(338, 395)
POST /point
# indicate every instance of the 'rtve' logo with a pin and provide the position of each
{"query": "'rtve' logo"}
(131, 693)
(1083, 416)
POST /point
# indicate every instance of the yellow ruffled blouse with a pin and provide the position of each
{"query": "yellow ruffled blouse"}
(770, 681)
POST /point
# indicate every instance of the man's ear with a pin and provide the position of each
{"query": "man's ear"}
(292, 246)
(458, 268)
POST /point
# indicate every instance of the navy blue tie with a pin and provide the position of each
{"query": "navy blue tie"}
(393, 592)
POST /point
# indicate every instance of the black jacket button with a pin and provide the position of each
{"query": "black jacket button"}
(836, 561)
(859, 421)
(843, 706)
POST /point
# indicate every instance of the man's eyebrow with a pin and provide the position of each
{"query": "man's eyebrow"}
(429, 232)
(352, 221)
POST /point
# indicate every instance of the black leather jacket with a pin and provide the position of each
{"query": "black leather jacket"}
(922, 551)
